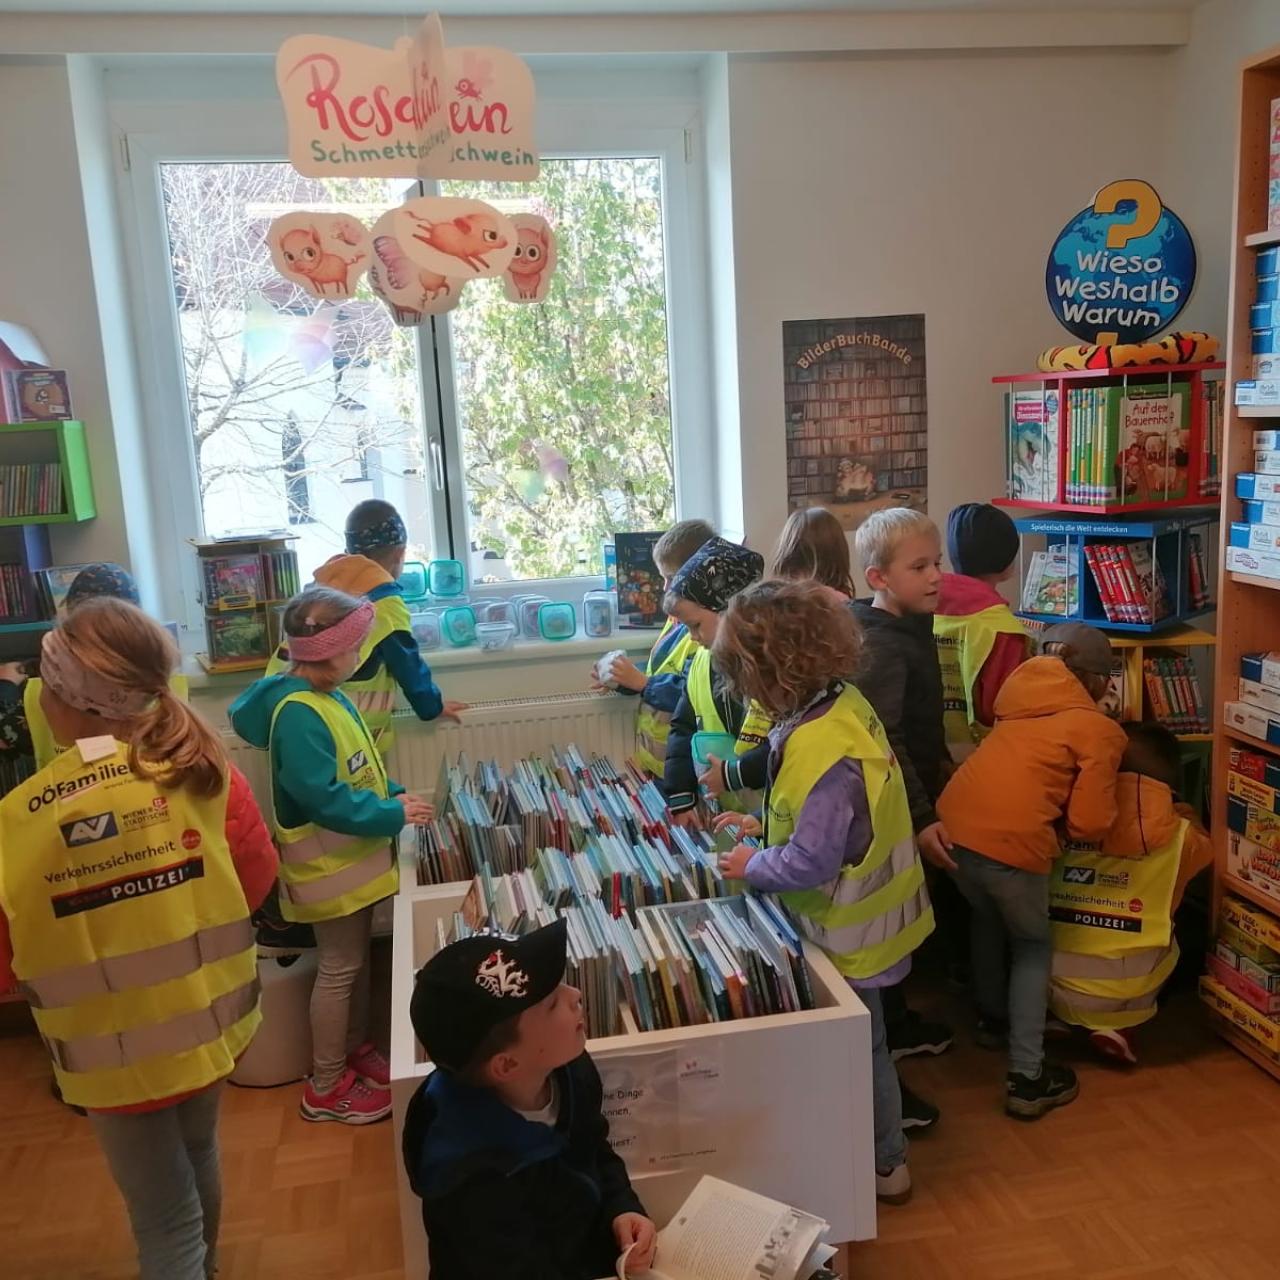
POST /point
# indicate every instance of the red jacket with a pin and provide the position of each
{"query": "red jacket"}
(255, 859)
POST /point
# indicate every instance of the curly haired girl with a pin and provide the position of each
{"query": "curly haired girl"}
(836, 825)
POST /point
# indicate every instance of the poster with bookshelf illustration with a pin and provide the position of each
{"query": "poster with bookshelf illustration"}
(856, 415)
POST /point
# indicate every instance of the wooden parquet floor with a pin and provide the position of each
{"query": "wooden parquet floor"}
(1171, 1172)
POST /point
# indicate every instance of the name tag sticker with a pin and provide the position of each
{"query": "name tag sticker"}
(98, 748)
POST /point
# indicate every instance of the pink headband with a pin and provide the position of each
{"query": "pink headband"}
(80, 687)
(340, 638)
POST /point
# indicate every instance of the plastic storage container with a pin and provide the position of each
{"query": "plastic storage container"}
(597, 614)
(705, 745)
(446, 577)
(426, 630)
(500, 611)
(495, 635)
(528, 608)
(459, 625)
(482, 605)
(413, 580)
(557, 621)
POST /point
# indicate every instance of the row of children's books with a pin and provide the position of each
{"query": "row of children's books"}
(1174, 694)
(1127, 444)
(675, 965)
(499, 818)
(15, 592)
(1130, 583)
(242, 581)
(31, 489)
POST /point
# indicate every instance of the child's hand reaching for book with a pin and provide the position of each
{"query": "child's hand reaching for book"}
(935, 846)
(734, 864)
(686, 819)
(635, 1229)
(417, 811)
(744, 824)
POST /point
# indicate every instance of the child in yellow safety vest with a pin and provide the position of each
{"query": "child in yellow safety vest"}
(24, 729)
(980, 641)
(1112, 905)
(698, 595)
(337, 815)
(661, 682)
(129, 866)
(836, 827)
(389, 659)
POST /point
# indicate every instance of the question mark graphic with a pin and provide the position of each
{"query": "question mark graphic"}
(1145, 217)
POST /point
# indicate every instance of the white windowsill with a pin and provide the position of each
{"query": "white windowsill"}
(531, 652)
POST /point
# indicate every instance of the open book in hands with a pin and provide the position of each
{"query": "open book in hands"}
(723, 1232)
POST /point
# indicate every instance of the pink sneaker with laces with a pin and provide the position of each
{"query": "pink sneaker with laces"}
(370, 1065)
(350, 1101)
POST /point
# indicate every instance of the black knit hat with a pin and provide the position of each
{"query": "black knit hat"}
(467, 989)
(981, 539)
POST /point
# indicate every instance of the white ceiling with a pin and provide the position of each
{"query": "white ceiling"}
(478, 8)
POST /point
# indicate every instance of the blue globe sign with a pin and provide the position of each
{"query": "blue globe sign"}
(1121, 270)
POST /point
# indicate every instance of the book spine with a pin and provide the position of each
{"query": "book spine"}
(1172, 695)
(1160, 708)
(1138, 597)
(1124, 604)
(1100, 581)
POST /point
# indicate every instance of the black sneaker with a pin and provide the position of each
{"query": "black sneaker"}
(285, 939)
(991, 1033)
(913, 1035)
(1029, 1098)
(917, 1114)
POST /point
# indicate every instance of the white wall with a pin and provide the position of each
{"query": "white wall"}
(934, 184)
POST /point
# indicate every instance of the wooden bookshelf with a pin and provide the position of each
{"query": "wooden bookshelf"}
(1248, 607)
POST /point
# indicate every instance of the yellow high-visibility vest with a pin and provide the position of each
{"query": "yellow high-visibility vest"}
(1112, 924)
(131, 933)
(874, 914)
(325, 874)
(754, 731)
(964, 644)
(670, 653)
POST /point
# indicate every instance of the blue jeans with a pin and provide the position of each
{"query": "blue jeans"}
(1010, 919)
(886, 1093)
(166, 1166)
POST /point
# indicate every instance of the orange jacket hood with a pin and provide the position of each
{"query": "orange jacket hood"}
(1041, 687)
(356, 575)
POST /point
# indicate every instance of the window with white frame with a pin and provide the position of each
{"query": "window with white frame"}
(513, 438)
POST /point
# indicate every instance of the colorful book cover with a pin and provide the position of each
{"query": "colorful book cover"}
(640, 586)
(1153, 440)
(1032, 424)
(38, 395)
(236, 637)
(232, 582)
(1057, 591)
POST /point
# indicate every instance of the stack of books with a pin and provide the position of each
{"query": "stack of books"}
(1243, 982)
(1254, 543)
(31, 489)
(16, 602)
(1130, 583)
(1256, 710)
(1253, 782)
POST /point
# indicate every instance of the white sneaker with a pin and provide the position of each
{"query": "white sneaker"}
(894, 1187)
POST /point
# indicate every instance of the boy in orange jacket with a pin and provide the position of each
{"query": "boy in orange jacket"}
(1052, 756)
(1112, 905)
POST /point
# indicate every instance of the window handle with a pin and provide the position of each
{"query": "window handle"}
(437, 465)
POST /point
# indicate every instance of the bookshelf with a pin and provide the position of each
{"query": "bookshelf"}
(1249, 605)
(36, 443)
(765, 1131)
(245, 584)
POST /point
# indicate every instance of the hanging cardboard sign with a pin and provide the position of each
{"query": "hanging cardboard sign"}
(324, 253)
(457, 239)
(1123, 268)
(528, 276)
(411, 292)
(491, 115)
(417, 110)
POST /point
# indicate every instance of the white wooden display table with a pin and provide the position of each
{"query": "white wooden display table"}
(789, 1115)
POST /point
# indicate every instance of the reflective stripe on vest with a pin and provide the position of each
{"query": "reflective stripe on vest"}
(1112, 928)
(44, 746)
(139, 968)
(672, 651)
(326, 874)
(964, 643)
(174, 1036)
(874, 914)
(130, 930)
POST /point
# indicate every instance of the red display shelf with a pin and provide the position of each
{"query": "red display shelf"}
(1130, 371)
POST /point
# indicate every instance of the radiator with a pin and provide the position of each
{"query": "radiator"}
(504, 730)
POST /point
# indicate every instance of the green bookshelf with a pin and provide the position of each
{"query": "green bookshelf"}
(63, 442)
